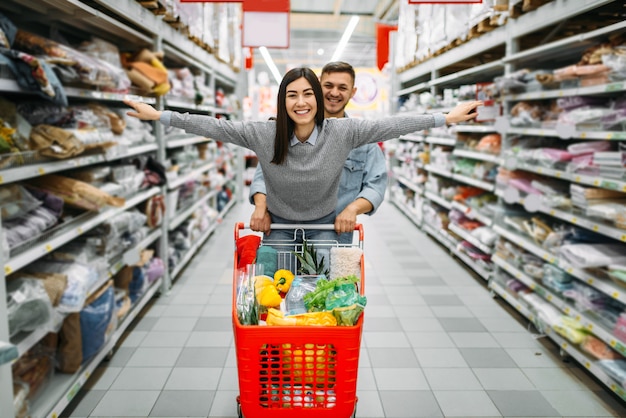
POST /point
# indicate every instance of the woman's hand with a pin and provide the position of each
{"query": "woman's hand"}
(260, 220)
(463, 112)
(142, 111)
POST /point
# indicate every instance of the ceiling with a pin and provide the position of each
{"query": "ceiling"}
(316, 27)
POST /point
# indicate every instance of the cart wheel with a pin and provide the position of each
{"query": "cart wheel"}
(239, 413)
(565, 356)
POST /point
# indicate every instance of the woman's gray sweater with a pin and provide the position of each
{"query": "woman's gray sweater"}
(304, 187)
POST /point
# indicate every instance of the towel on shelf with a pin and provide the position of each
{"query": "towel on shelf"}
(267, 257)
(593, 255)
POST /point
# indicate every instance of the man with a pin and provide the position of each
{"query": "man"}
(364, 177)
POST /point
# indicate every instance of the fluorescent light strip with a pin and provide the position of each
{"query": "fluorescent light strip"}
(270, 63)
(354, 20)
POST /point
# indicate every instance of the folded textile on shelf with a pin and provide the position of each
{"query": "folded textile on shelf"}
(593, 255)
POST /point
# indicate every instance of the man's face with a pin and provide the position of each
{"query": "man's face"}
(338, 89)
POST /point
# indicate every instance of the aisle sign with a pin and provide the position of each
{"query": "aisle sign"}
(264, 23)
(444, 1)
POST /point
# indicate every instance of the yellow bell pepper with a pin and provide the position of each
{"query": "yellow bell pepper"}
(283, 279)
(266, 293)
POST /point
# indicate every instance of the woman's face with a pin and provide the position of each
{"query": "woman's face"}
(300, 102)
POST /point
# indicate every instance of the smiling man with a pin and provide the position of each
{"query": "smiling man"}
(364, 177)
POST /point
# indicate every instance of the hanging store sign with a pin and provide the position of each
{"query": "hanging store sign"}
(265, 22)
(445, 1)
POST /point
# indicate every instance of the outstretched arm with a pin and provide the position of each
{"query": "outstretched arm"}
(463, 112)
(142, 111)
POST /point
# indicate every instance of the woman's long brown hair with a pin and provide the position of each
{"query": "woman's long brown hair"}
(284, 124)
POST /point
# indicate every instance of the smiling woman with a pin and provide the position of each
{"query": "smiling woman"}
(301, 153)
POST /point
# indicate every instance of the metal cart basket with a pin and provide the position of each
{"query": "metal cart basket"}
(297, 371)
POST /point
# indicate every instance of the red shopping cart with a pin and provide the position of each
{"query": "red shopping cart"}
(297, 371)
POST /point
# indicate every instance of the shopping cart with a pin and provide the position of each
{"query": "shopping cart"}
(297, 371)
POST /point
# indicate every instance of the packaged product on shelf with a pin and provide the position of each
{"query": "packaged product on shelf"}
(97, 320)
(35, 368)
(29, 306)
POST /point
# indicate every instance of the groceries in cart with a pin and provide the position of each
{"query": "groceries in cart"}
(310, 290)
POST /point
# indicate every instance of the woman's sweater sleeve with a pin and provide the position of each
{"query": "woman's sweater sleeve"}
(210, 127)
(368, 131)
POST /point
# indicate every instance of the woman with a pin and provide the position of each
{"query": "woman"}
(301, 153)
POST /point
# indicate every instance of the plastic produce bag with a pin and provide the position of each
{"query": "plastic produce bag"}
(294, 301)
(28, 305)
(247, 308)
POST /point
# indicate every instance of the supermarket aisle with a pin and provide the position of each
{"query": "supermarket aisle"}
(434, 343)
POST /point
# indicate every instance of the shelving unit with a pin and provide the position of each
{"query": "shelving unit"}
(131, 27)
(540, 39)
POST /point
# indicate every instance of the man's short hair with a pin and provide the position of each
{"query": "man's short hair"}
(339, 67)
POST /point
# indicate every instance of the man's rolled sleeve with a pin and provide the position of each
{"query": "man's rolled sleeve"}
(440, 119)
(166, 117)
(258, 184)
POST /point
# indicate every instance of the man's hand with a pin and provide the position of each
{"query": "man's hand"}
(346, 220)
(142, 111)
(463, 112)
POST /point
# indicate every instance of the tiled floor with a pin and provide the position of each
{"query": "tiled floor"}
(435, 344)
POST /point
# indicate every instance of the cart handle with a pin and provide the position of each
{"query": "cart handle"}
(328, 227)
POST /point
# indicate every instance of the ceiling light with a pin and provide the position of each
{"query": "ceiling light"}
(354, 20)
(270, 63)
(320, 51)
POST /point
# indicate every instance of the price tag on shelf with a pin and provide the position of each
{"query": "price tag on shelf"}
(511, 195)
(7, 270)
(565, 130)
(41, 171)
(532, 203)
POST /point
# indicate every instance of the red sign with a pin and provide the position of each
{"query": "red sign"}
(382, 43)
(444, 1)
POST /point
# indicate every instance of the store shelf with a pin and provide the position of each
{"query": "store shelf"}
(413, 137)
(467, 236)
(67, 234)
(408, 183)
(550, 14)
(472, 213)
(587, 323)
(481, 184)
(578, 91)
(28, 171)
(565, 345)
(573, 218)
(192, 175)
(476, 155)
(438, 199)
(547, 50)
(409, 212)
(600, 182)
(62, 388)
(475, 128)
(605, 286)
(435, 140)
(452, 245)
(569, 133)
(586, 362)
(192, 140)
(179, 218)
(511, 300)
(439, 171)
